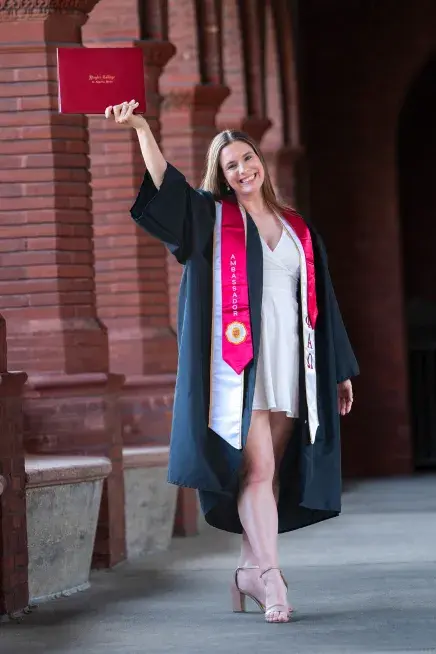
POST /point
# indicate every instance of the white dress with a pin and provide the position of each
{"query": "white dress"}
(277, 378)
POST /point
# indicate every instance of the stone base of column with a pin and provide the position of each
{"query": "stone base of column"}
(73, 344)
(146, 403)
(79, 414)
(14, 594)
(146, 407)
(146, 350)
(186, 523)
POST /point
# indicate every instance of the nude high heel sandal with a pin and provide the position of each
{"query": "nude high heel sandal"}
(239, 597)
(276, 608)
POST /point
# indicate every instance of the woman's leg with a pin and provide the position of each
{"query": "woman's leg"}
(248, 579)
(258, 509)
(281, 431)
(247, 557)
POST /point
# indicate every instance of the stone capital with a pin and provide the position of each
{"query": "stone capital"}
(30, 9)
(256, 126)
(156, 53)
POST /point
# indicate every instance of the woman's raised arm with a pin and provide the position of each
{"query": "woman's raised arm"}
(153, 157)
(167, 207)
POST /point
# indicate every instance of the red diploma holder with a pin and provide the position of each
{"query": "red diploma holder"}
(91, 79)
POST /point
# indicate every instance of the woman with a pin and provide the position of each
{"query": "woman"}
(256, 304)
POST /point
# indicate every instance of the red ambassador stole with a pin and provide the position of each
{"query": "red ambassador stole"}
(232, 344)
(237, 341)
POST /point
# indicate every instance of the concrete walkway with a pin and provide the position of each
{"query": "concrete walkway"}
(364, 582)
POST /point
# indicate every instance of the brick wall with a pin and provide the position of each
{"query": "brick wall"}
(46, 273)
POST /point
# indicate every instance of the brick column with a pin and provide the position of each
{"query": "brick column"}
(13, 534)
(282, 144)
(47, 291)
(244, 57)
(131, 279)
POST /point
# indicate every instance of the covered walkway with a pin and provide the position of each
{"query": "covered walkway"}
(364, 582)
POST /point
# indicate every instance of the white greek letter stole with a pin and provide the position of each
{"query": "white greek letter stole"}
(232, 344)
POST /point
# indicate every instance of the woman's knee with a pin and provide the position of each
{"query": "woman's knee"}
(259, 470)
(259, 462)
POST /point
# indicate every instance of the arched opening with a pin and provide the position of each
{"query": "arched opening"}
(417, 199)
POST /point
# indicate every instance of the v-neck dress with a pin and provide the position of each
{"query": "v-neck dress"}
(277, 378)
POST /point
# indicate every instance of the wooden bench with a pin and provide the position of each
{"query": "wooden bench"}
(63, 496)
(150, 500)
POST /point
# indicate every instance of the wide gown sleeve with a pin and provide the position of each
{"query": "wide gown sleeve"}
(173, 213)
(346, 362)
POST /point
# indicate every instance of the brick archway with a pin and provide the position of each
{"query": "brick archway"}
(352, 102)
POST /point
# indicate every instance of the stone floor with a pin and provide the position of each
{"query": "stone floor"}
(364, 582)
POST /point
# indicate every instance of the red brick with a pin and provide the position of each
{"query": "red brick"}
(12, 244)
(23, 60)
(30, 88)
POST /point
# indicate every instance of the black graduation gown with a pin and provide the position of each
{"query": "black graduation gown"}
(310, 475)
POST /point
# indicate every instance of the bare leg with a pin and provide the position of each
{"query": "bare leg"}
(258, 509)
(249, 580)
(281, 431)
(247, 557)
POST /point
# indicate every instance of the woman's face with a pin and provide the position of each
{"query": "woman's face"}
(242, 168)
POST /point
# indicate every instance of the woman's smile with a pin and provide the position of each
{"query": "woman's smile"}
(247, 180)
(242, 168)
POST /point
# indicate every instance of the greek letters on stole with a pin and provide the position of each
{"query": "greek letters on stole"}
(232, 345)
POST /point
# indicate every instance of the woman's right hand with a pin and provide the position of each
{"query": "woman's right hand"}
(123, 114)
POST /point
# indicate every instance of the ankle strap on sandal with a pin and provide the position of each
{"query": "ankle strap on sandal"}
(268, 569)
(244, 567)
(281, 574)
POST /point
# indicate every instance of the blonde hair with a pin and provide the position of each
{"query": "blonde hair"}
(214, 180)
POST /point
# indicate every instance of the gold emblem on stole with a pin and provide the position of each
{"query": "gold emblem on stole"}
(236, 333)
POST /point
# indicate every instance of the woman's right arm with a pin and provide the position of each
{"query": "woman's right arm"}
(153, 158)
(166, 205)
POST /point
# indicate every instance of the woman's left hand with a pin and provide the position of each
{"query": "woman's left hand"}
(345, 397)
